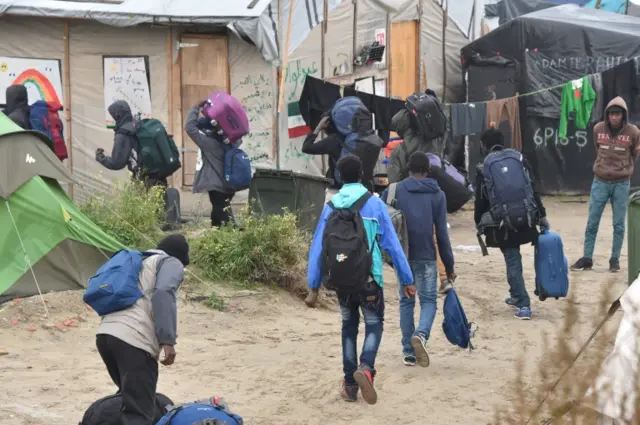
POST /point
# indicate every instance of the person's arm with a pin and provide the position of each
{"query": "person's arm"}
(204, 142)
(169, 277)
(442, 234)
(391, 244)
(542, 212)
(314, 267)
(122, 145)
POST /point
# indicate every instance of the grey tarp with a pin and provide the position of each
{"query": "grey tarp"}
(507, 10)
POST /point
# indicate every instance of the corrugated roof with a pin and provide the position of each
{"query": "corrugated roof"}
(135, 12)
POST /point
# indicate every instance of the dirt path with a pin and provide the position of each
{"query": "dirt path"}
(278, 362)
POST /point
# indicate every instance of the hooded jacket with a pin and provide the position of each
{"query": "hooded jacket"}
(17, 107)
(424, 206)
(616, 151)
(209, 176)
(380, 233)
(398, 168)
(125, 142)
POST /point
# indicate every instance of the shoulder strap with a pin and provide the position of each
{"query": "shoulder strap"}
(344, 145)
(357, 206)
(391, 195)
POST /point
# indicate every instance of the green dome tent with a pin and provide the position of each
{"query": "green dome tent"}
(48, 244)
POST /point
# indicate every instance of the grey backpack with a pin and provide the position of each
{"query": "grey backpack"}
(399, 223)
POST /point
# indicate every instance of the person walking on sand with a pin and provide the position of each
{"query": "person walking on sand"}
(345, 254)
(424, 207)
(617, 146)
(130, 341)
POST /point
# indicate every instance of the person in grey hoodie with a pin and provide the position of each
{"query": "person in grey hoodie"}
(209, 177)
(17, 108)
(130, 341)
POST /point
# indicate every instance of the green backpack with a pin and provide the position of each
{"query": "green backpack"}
(158, 155)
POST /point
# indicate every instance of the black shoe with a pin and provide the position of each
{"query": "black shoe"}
(583, 264)
(614, 265)
(349, 392)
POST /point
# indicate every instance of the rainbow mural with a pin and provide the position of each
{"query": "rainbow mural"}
(39, 82)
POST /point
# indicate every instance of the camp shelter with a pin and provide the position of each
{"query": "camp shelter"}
(534, 56)
(48, 244)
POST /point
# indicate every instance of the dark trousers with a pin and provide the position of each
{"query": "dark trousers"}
(220, 208)
(135, 373)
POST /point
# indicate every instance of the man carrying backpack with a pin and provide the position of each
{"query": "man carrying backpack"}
(209, 178)
(17, 106)
(130, 340)
(330, 146)
(345, 255)
(424, 207)
(507, 211)
(123, 153)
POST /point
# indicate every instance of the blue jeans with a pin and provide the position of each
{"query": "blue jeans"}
(601, 193)
(517, 289)
(372, 306)
(425, 276)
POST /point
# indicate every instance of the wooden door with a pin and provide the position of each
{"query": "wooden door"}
(204, 68)
(404, 58)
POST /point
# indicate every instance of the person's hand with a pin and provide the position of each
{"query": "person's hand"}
(321, 125)
(99, 154)
(202, 103)
(544, 224)
(312, 298)
(410, 291)
(451, 277)
(169, 355)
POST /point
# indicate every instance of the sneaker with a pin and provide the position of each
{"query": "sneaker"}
(364, 378)
(614, 265)
(583, 264)
(419, 343)
(523, 313)
(445, 286)
(409, 360)
(349, 392)
(511, 302)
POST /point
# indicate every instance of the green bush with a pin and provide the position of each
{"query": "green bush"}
(129, 213)
(270, 250)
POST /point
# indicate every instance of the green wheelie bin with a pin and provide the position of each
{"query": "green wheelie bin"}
(633, 236)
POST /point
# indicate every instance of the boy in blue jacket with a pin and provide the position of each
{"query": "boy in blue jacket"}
(380, 233)
(424, 206)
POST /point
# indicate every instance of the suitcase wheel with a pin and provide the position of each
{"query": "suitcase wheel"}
(543, 297)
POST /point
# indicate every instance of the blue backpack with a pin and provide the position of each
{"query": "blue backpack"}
(199, 413)
(237, 169)
(455, 325)
(552, 267)
(115, 286)
(509, 190)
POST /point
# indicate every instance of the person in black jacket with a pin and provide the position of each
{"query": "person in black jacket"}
(508, 241)
(17, 108)
(330, 146)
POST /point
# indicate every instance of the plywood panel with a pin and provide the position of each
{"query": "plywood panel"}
(404, 63)
(204, 68)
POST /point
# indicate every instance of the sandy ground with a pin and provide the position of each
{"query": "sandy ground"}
(277, 362)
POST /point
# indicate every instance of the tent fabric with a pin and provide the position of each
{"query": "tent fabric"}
(136, 12)
(23, 155)
(45, 217)
(507, 10)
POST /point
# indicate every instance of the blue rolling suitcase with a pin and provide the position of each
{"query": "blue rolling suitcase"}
(552, 268)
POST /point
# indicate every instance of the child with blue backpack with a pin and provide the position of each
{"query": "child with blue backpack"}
(424, 207)
(345, 255)
(507, 210)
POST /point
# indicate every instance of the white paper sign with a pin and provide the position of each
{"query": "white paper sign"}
(41, 77)
(126, 79)
(381, 88)
(381, 38)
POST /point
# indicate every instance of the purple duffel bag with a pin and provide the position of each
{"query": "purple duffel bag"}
(453, 183)
(229, 114)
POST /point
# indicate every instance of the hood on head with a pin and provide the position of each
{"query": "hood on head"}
(401, 122)
(348, 195)
(17, 97)
(620, 103)
(120, 112)
(426, 185)
(176, 246)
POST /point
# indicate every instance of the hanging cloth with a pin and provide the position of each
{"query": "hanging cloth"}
(577, 101)
(506, 109)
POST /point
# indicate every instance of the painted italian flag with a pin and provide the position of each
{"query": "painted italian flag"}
(297, 126)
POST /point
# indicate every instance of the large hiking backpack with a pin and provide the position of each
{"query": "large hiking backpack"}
(45, 119)
(205, 412)
(509, 190)
(427, 115)
(227, 116)
(354, 122)
(158, 155)
(453, 183)
(116, 285)
(455, 325)
(399, 223)
(346, 254)
(107, 410)
(237, 169)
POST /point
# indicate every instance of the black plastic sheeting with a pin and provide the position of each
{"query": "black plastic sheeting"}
(507, 10)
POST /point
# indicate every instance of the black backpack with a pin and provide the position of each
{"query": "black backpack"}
(106, 411)
(427, 115)
(346, 253)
